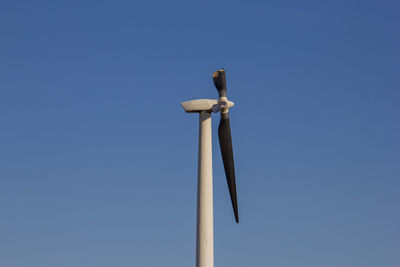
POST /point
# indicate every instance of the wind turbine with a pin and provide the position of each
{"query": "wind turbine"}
(205, 227)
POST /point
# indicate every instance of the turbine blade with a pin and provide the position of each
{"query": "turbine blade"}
(225, 142)
(220, 82)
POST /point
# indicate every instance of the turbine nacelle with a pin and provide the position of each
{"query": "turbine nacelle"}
(210, 105)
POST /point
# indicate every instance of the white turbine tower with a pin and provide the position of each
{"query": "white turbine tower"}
(205, 228)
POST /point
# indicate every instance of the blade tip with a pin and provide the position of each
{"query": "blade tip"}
(217, 72)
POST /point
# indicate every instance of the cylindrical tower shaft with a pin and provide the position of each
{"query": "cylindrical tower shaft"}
(205, 227)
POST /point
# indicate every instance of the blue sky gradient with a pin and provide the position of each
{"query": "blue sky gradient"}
(98, 161)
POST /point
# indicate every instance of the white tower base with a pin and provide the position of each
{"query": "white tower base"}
(205, 223)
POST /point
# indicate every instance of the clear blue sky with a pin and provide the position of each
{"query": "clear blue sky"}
(98, 160)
